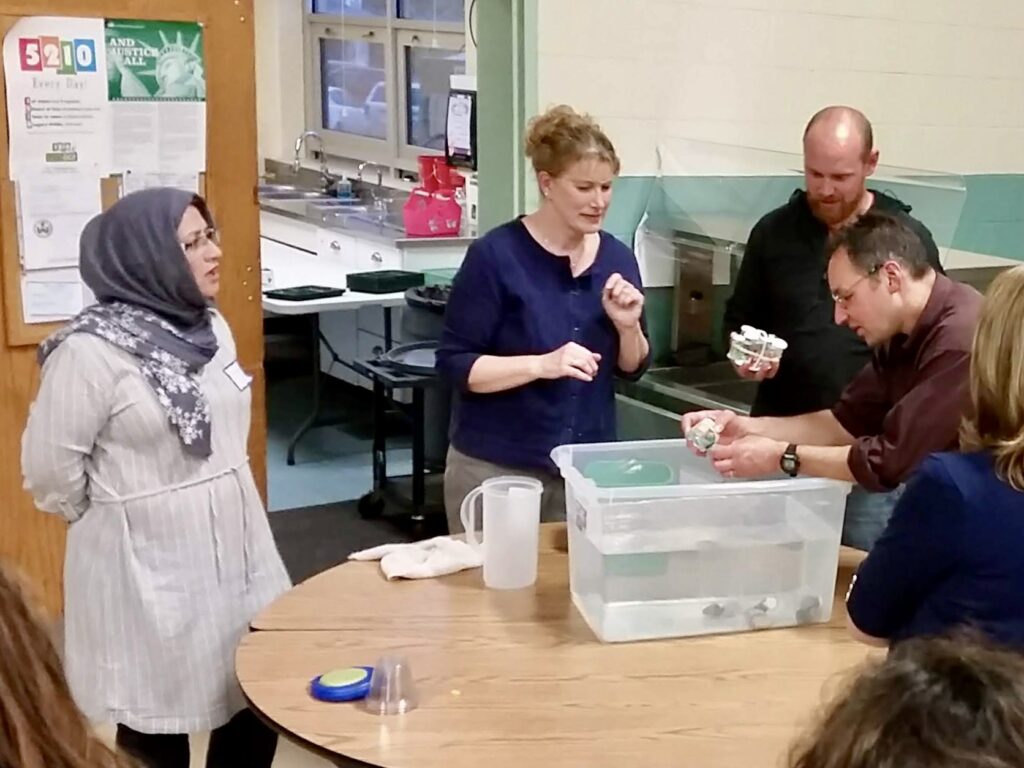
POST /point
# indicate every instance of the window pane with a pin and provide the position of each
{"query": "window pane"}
(428, 72)
(352, 7)
(432, 10)
(354, 95)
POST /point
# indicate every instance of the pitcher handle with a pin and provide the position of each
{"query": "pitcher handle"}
(468, 515)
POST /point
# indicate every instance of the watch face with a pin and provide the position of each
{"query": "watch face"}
(789, 463)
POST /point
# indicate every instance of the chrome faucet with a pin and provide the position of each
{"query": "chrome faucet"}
(327, 176)
(297, 165)
(380, 173)
(379, 203)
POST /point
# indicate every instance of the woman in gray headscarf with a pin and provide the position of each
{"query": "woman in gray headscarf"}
(138, 439)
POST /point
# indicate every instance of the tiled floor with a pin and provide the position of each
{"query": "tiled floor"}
(331, 463)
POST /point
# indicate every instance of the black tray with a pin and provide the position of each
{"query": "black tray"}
(304, 293)
(416, 358)
(433, 298)
(384, 281)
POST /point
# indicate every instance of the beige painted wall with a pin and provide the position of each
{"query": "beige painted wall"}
(942, 80)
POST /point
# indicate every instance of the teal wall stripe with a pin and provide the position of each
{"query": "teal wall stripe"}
(987, 219)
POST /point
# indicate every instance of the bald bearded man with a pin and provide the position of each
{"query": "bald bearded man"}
(781, 287)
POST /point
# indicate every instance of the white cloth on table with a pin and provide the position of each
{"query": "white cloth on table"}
(422, 559)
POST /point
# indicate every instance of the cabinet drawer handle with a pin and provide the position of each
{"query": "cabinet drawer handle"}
(375, 256)
(335, 245)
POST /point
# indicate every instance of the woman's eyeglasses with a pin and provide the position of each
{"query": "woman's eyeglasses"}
(201, 240)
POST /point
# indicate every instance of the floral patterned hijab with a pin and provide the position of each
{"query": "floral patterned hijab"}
(149, 304)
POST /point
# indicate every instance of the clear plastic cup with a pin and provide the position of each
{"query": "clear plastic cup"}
(392, 688)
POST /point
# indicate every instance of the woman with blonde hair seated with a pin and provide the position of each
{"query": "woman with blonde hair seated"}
(952, 553)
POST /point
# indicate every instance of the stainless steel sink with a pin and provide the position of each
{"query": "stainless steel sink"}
(737, 391)
(688, 388)
(297, 195)
(720, 372)
(289, 192)
(341, 203)
(333, 212)
(367, 219)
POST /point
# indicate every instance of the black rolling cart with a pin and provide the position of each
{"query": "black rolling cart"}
(420, 495)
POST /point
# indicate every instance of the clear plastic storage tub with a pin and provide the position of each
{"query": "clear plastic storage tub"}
(661, 546)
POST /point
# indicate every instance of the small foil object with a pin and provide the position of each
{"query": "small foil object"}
(757, 616)
(809, 610)
(721, 610)
(754, 347)
(703, 434)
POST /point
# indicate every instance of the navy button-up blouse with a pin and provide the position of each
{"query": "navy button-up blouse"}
(512, 297)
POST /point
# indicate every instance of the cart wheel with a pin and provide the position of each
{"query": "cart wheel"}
(371, 506)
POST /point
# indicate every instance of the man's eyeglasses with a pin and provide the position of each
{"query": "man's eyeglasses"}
(201, 240)
(842, 297)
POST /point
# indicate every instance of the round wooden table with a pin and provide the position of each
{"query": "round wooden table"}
(518, 679)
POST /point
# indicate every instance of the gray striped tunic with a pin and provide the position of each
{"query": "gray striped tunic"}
(168, 556)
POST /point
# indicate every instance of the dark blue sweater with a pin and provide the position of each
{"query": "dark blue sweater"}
(512, 297)
(952, 556)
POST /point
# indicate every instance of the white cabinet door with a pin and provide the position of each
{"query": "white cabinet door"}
(288, 231)
(290, 267)
(371, 256)
(275, 255)
(420, 258)
(336, 248)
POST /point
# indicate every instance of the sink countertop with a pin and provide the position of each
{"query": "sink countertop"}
(686, 388)
(383, 234)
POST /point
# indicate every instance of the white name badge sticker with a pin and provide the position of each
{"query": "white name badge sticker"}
(238, 377)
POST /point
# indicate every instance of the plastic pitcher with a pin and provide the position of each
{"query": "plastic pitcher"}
(511, 529)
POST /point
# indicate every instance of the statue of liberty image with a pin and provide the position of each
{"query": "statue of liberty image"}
(178, 71)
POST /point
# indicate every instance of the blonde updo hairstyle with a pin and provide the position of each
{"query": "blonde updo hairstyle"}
(562, 136)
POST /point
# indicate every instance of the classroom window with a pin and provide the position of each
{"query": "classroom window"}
(378, 8)
(425, 77)
(429, 10)
(379, 72)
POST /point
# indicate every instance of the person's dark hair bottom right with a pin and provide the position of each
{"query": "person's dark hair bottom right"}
(931, 703)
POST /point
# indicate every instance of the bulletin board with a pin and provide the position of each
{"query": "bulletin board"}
(19, 331)
(34, 542)
(97, 108)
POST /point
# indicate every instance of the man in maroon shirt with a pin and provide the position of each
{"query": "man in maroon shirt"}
(906, 403)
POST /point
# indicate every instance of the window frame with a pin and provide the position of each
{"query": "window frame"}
(406, 39)
(393, 151)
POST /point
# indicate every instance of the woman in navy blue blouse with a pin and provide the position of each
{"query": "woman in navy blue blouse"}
(953, 553)
(544, 311)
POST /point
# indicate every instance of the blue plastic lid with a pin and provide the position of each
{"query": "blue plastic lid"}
(342, 684)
